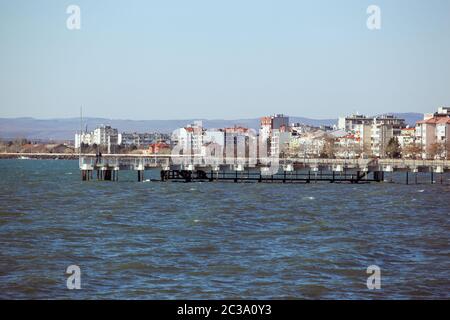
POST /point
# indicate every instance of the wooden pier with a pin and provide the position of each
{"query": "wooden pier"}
(291, 170)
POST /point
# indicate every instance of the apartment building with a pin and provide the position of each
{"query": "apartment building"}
(105, 136)
(141, 139)
(189, 139)
(432, 134)
(373, 133)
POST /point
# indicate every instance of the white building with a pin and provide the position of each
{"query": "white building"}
(104, 136)
(407, 137)
(373, 133)
(236, 142)
(214, 136)
(271, 124)
(381, 134)
(279, 142)
(433, 134)
(274, 122)
(308, 145)
(354, 122)
(84, 138)
(189, 140)
(140, 139)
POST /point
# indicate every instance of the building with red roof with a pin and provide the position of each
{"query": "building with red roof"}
(433, 134)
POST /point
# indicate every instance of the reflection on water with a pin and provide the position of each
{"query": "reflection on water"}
(217, 240)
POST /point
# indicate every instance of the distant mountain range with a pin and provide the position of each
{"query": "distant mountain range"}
(64, 129)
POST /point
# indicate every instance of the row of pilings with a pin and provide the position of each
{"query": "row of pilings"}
(101, 175)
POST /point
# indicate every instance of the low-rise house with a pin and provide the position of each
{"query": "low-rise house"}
(348, 147)
(159, 148)
(309, 145)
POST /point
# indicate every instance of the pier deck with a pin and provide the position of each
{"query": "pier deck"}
(289, 170)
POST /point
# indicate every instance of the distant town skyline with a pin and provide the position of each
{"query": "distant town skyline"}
(222, 60)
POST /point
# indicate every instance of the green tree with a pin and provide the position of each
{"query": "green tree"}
(393, 149)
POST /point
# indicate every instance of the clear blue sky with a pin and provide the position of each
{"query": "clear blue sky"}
(176, 59)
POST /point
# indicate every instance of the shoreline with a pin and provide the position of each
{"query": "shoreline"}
(39, 156)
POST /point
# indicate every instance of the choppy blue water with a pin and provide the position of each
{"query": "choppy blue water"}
(217, 240)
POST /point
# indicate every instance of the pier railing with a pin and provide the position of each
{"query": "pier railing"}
(141, 162)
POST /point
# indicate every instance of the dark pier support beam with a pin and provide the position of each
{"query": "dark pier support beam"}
(140, 174)
(377, 176)
(107, 175)
(407, 177)
(432, 176)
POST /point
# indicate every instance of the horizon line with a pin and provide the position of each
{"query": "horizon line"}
(194, 118)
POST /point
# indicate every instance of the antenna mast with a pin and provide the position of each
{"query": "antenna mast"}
(81, 133)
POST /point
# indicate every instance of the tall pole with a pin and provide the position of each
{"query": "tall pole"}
(81, 134)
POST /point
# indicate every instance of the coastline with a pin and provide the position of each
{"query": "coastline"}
(39, 156)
